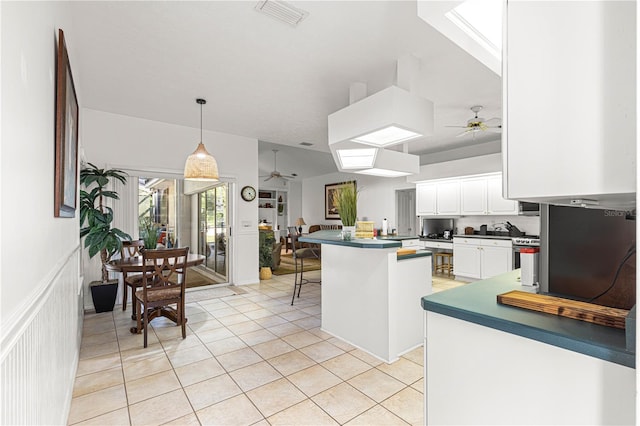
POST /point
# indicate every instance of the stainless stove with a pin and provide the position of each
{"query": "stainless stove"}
(520, 243)
(526, 241)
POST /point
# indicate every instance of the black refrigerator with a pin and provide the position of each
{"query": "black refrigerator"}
(588, 255)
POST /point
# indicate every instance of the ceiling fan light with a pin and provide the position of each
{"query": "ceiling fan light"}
(201, 165)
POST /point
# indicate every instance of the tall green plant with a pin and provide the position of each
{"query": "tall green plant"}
(346, 201)
(266, 248)
(149, 232)
(100, 236)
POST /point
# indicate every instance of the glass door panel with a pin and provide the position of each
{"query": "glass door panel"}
(213, 232)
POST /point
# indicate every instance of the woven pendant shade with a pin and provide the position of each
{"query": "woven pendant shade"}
(201, 165)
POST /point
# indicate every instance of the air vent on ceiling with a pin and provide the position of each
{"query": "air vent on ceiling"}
(282, 11)
(306, 144)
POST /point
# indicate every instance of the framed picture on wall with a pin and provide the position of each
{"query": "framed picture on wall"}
(330, 210)
(66, 149)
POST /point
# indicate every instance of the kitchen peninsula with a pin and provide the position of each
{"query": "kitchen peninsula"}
(370, 295)
(506, 365)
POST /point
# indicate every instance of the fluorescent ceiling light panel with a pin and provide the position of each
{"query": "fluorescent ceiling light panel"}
(481, 20)
(356, 158)
(392, 115)
(390, 135)
(383, 172)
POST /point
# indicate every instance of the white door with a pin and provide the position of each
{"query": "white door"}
(406, 211)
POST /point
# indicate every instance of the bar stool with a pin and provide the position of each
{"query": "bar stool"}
(300, 254)
(441, 265)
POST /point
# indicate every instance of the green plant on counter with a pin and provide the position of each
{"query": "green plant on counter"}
(346, 201)
(149, 233)
(266, 247)
(100, 236)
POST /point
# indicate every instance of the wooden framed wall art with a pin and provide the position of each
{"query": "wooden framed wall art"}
(330, 210)
(66, 149)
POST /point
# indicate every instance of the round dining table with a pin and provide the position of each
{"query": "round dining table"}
(134, 264)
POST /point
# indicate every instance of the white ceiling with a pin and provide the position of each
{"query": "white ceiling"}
(265, 79)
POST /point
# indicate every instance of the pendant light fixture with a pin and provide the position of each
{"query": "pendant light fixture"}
(200, 164)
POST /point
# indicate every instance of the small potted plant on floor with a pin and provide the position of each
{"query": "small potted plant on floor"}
(265, 254)
(346, 201)
(100, 237)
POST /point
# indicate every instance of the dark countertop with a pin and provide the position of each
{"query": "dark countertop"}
(333, 237)
(437, 240)
(477, 303)
(486, 237)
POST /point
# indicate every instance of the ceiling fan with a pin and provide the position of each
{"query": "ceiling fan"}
(479, 124)
(275, 173)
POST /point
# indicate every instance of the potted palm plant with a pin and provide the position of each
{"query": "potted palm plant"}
(265, 254)
(100, 237)
(346, 201)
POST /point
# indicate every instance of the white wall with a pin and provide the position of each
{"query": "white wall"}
(134, 143)
(39, 281)
(376, 199)
(462, 167)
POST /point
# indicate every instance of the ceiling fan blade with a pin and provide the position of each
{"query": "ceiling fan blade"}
(269, 178)
(495, 121)
(466, 132)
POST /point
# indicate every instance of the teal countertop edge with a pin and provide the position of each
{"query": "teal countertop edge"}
(418, 253)
(477, 303)
(333, 237)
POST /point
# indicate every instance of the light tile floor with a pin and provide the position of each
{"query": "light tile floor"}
(249, 358)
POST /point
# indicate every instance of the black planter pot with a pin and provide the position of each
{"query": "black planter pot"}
(104, 295)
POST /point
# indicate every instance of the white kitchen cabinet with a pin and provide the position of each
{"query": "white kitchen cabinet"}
(448, 198)
(426, 199)
(473, 196)
(479, 258)
(569, 91)
(495, 203)
(466, 259)
(413, 243)
(443, 245)
(482, 195)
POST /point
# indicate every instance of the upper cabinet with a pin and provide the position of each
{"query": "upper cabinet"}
(467, 196)
(438, 198)
(569, 86)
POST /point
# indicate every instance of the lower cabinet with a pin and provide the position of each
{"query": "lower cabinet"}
(478, 258)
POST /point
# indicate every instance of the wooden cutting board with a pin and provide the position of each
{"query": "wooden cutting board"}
(405, 251)
(583, 311)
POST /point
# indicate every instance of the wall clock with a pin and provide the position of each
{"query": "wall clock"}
(248, 193)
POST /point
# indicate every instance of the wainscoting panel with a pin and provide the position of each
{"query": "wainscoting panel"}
(40, 348)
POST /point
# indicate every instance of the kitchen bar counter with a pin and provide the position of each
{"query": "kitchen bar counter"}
(370, 295)
(476, 302)
(487, 363)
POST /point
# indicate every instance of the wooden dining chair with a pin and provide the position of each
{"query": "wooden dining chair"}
(164, 274)
(131, 249)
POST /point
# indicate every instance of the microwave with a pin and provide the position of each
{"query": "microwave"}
(528, 209)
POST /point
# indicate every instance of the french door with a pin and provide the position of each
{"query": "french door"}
(213, 229)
